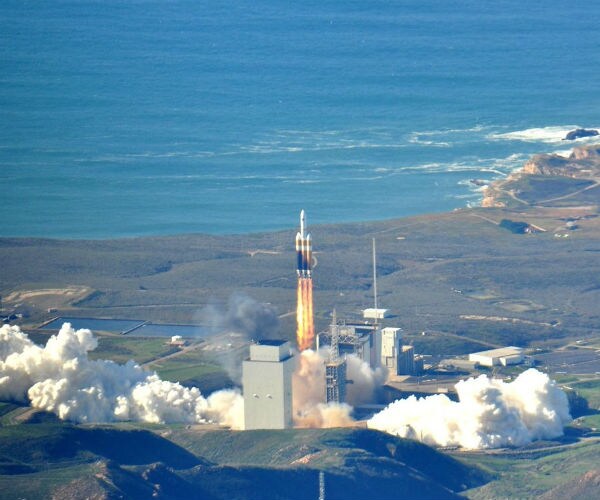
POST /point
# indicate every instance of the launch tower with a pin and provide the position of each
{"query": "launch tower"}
(335, 368)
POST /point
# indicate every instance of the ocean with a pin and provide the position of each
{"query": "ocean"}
(124, 118)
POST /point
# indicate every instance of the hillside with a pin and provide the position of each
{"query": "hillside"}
(582, 488)
(67, 461)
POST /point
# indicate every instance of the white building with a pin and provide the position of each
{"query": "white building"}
(372, 313)
(267, 381)
(177, 341)
(390, 347)
(503, 356)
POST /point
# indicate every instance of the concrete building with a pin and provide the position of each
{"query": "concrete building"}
(390, 348)
(267, 381)
(498, 357)
(406, 360)
(419, 365)
(374, 316)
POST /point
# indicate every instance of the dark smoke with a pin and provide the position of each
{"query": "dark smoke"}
(243, 315)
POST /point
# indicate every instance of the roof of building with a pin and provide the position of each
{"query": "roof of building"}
(500, 352)
(273, 342)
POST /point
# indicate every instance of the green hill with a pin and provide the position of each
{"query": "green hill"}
(62, 460)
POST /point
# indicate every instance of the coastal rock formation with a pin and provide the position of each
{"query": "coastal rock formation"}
(490, 200)
(586, 153)
(580, 132)
(583, 162)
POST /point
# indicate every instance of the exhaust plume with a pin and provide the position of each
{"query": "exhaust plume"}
(305, 330)
(60, 378)
(365, 380)
(309, 390)
(243, 315)
(490, 413)
(245, 318)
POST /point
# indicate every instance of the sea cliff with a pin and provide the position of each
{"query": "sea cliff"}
(582, 164)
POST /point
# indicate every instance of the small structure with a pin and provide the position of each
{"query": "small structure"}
(503, 356)
(267, 381)
(375, 313)
(177, 341)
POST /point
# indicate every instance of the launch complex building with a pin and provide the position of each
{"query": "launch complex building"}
(267, 374)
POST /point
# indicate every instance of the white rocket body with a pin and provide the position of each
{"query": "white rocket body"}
(303, 250)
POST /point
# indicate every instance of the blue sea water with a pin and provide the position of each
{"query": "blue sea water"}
(149, 117)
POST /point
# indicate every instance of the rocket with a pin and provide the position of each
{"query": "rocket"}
(303, 250)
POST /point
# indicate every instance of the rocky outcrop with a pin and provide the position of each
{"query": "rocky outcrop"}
(580, 132)
(584, 162)
(546, 164)
(586, 153)
(490, 199)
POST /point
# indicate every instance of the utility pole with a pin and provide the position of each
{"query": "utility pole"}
(321, 485)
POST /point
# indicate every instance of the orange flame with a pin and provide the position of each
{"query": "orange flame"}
(305, 332)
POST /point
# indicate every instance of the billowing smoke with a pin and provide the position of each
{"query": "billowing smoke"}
(309, 390)
(490, 413)
(60, 378)
(244, 315)
(365, 381)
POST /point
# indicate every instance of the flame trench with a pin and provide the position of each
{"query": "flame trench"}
(305, 332)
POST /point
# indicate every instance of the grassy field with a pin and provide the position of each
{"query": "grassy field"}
(194, 368)
(122, 348)
(590, 390)
(42, 484)
(536, 188)
(443, 268)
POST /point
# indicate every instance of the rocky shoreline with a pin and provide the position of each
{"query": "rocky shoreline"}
(582, 163)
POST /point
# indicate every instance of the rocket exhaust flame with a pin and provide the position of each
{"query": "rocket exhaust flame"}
(304, 310)
(305, 332)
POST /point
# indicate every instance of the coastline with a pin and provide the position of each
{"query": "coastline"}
(582, 164)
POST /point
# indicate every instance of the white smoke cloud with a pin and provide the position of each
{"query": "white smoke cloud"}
(60, 378)
(309, 390)
(308, 384)
(490, 413)
(365, 381)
